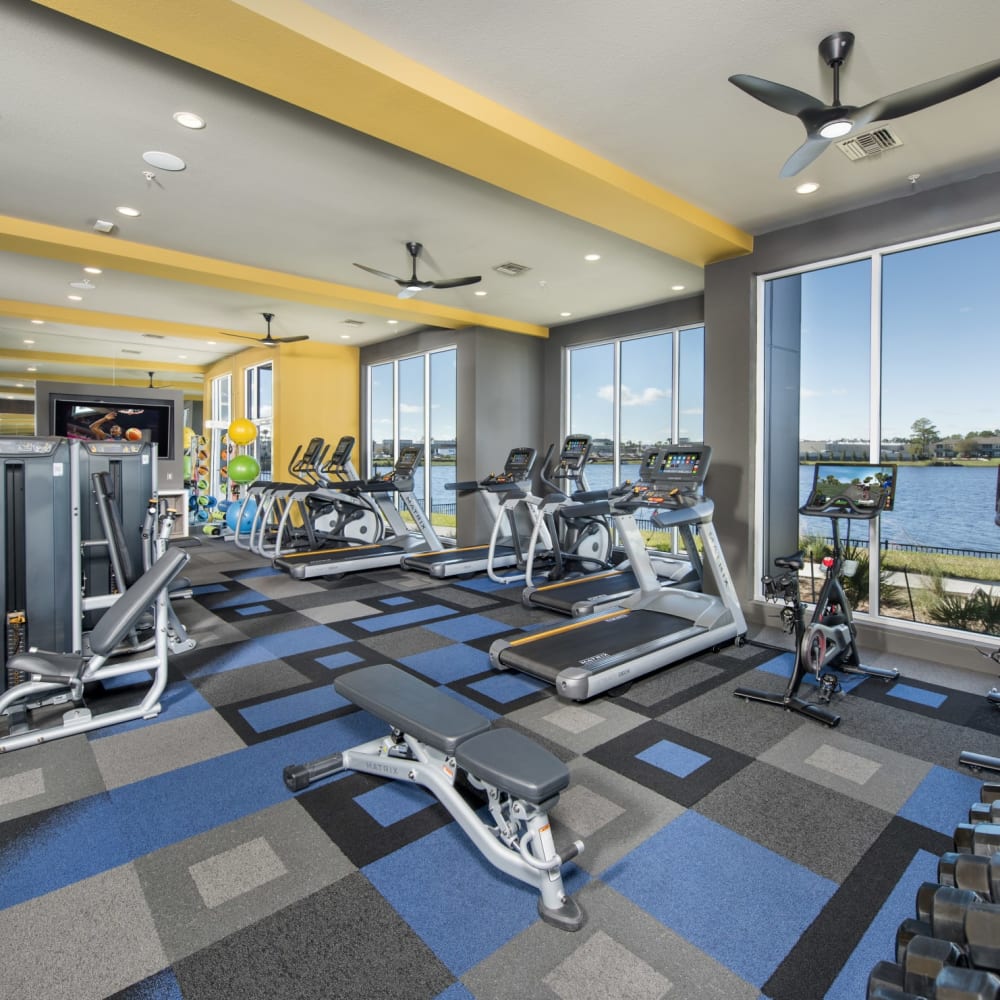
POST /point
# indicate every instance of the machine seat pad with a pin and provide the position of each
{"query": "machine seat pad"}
(64, 666)
(515, 764)
(412, 706)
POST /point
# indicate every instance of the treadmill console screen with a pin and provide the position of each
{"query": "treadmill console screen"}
(409, 459)
(575, 450)
(519, 462)
(680, 464)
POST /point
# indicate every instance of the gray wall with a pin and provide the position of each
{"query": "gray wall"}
(730, 356)
(499, 402)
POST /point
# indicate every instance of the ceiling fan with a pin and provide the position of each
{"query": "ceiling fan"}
(268, 340)
(826, 122)
(412, 285)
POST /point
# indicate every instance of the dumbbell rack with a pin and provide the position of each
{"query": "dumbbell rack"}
(951, 949)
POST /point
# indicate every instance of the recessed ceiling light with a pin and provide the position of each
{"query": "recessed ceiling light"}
(32, 368)
(189, 119)
(211, 343)
(677, 288)
(29, 341)
(75, 298)
(132, 213)
(183, 357)
(18, 385)
(345, 336)
(38, 322)
(163, 161)
(564, 314)
(392, 322)
(480, 293)
(93, 270)
(592, 256)
(807, 187)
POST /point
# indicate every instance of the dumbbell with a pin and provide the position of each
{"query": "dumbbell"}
(977, 838)
(985, 812)
(990, 791)
(951, 983)
(959, 917)
(971, 871)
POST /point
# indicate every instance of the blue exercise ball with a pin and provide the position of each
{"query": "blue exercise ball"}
(233, 515)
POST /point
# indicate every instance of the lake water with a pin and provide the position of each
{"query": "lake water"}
(940, 506)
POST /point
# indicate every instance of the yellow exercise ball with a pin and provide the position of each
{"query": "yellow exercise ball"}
(242, 431)
(188, 437)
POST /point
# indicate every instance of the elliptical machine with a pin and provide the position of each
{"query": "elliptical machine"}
(827, 641)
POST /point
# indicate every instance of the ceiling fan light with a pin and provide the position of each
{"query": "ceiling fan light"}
(414, 288)
(835, 129)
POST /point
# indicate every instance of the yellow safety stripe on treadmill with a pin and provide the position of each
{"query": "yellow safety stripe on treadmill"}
(569, 583)
(437, 552)
(579, 623)
(326, 552)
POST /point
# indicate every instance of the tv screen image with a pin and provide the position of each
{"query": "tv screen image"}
(126, 420)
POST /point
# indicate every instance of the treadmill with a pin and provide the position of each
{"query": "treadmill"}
(444, 563)
(337, 561)
(655, 627)
(587, 594)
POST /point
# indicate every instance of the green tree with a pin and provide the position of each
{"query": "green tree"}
(924, 435)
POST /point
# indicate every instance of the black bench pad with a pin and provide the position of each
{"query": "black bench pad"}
(412, 706)
(514, 763)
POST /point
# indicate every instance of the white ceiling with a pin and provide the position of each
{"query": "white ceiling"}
(641, 83)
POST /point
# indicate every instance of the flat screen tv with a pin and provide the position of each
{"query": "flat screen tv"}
(92, 418)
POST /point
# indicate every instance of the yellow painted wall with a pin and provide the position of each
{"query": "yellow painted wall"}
(316, 393)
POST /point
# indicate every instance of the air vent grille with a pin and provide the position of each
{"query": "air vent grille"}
(154, 336)
(511, 269)
(354, 322)
(126, 350)
(873, 143)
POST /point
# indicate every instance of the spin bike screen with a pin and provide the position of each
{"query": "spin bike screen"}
(846, 489)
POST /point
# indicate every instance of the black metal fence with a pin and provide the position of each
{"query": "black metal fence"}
(887, 545)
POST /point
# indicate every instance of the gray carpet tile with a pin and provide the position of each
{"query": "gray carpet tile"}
(610, 813)
(816, 827)
(671, 682)
(343, 942)
(621, 953)
(220, 882)
(577, 726)
(127, 756)
(32, 781)
(337, 611)
(855, 768)
(83, 942)
(255, 681)
(406, 642)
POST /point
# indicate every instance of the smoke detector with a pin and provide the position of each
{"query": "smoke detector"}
(867, 144)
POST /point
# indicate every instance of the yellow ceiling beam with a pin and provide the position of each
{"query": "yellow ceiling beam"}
(39, 239)
(295, 52)
(95, 361)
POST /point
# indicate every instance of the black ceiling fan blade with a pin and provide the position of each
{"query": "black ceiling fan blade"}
(926, 95)
(777, 95)
(456, 282)
(287, 340)
(804, 155)
(380, 274)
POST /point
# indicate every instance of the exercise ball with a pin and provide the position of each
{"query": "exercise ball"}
(233, 515)
(242, 431)
(133, 434)
(243, 469)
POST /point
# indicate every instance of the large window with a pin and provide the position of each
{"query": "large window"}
(892, 357)
(413, 400)
(260, 409)
(222, 414)
(634, 393)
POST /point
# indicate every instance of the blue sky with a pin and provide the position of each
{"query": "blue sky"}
(940, 309)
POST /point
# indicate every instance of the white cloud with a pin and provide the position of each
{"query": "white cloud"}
(410, 408)
(646, 397)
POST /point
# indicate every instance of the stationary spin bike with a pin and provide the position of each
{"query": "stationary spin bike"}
(826, 641)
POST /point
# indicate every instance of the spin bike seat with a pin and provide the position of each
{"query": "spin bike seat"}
(795, 561)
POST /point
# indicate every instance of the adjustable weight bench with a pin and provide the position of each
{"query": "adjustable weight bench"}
(57, 678)
(433, 737)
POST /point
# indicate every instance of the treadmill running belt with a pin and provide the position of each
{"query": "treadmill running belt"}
(595, 644)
